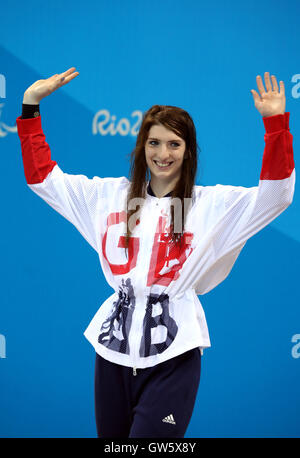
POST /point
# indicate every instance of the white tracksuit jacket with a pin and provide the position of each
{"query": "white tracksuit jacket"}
(154, 313)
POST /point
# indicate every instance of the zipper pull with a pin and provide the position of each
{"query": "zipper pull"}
(134, 370)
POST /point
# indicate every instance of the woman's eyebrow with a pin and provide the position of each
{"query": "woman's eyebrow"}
(174, 140)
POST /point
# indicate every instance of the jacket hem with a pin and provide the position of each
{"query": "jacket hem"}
(125, 360)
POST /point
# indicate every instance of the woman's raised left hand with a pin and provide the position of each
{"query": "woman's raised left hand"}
(269, 101)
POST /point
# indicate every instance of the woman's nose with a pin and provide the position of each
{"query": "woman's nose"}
(164, 152)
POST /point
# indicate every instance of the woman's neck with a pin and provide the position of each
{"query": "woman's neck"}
(161, 188)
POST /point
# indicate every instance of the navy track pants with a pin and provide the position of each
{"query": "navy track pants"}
(156, 402)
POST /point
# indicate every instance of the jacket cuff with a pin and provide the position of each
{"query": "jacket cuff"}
(29, 126)
(276, 123)
(30, 111)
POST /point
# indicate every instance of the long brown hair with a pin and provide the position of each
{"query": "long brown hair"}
(181, 123)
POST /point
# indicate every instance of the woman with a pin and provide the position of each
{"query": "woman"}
(161, 241)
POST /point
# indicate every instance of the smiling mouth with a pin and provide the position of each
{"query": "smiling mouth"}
(164, 166)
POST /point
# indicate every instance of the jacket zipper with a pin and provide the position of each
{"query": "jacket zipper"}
(138, 334)
(136, 329)
(134, 367)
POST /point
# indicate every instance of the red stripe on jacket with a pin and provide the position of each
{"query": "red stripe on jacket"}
(278, 160)
(35, 150)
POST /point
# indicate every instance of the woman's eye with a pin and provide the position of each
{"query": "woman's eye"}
(173, 143)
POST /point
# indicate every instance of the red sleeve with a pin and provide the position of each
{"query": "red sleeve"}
(278, 161)
(36, 152)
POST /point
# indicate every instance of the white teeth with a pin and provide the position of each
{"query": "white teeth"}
(163, 165)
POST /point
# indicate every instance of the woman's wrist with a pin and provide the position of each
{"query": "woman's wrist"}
(30, 99)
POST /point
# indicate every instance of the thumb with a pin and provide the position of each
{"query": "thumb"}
(255, 95)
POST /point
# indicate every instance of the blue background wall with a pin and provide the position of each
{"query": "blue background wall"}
(203, 57)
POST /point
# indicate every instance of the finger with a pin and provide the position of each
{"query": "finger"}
(66, 76)
(255, 95)
(260, 84)
(67, 79)
(282, 90)
(274, 82)
(67, 72)
(268, 81)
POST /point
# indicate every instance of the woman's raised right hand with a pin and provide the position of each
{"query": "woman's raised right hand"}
(41, 88)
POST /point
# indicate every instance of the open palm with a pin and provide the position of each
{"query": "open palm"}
(41, 88)
(269, 101)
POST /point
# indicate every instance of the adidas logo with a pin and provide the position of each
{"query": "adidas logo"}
(169, 419)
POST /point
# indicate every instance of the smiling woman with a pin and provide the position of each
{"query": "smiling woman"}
(164, 154)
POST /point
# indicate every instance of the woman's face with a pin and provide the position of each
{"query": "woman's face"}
(163, 146)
